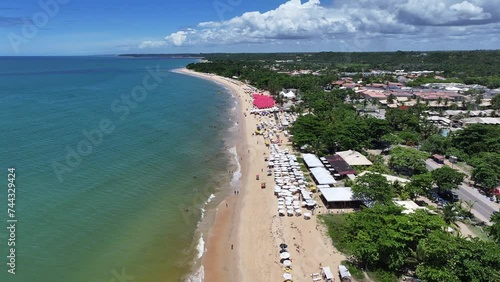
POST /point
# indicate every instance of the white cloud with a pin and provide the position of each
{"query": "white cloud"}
(152, 44)
(344, 19)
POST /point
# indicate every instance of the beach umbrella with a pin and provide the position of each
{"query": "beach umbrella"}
(307, 215)
(285, 255)
(290, 212)
(283, 245)
(298, 212)
(287, 276)
(287, 262)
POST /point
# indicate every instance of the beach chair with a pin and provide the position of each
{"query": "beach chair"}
(316, 277)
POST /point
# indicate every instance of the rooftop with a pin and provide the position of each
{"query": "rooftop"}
(337, 194)
(354, 158)
(390, 178)
(409, 206)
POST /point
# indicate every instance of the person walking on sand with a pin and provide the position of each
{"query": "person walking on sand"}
(231, 246)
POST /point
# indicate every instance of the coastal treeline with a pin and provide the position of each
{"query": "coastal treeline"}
(261, 76)
(470, 67)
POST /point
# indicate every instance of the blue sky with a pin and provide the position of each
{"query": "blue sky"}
(150, 26)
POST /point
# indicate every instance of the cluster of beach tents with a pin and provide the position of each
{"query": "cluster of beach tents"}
(262, 101)
(291, 186)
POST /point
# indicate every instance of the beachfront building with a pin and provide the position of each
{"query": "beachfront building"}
(338, 197)
(390, 178)
(322, 176)
(409, 206)
(339, 167)
(480, 120)
(354, 158)
(311, 160)
(289, 94)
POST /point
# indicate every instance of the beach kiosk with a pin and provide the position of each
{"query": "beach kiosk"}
(327, 274)
(345, 275)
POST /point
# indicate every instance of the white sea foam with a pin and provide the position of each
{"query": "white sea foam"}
(201, 246)
(237, 174)
(212, 196)
(202, 215)
(197, 276)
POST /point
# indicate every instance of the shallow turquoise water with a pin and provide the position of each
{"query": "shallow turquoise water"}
(129, 206)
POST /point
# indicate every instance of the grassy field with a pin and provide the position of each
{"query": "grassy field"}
(335, 224)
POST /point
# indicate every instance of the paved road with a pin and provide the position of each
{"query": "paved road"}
(483, 207)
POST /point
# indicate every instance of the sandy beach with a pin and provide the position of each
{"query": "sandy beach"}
(243, 243)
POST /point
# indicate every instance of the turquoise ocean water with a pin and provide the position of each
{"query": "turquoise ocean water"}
(120, 205)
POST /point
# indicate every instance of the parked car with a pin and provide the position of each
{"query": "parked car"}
(448, 195)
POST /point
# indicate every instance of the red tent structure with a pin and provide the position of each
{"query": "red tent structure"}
(263, 101)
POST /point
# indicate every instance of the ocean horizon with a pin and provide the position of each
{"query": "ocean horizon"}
(117, 160)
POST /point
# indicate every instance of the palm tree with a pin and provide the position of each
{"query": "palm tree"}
(479, 99)
(450, 215)
(468, 207)
(390, 99)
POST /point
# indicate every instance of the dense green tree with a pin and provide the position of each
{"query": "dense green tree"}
(491, 159)
(401, 119)
(478, 138)
(409, 138)
(419, 185)
(447, 178)
(388, 247)
(373, 187)
(306, 130)
(392, 139)
(485, 176)
(495, 102)
(447, 258)
(435, 144)
(377, 128)
(494, 229)
(452, 151)
(408, 161)
(378, 164)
